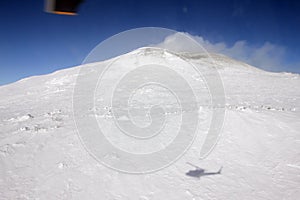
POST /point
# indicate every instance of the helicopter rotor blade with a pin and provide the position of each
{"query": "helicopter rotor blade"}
(193, 165)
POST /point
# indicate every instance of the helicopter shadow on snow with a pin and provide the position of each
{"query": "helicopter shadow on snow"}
(199, 172)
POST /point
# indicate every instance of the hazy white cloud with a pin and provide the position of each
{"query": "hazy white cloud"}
(267, 56)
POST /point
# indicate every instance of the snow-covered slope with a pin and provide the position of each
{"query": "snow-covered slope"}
(41, 156)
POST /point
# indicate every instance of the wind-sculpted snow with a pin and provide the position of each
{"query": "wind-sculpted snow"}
(42, 157)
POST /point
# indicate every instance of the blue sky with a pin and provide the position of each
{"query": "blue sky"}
(33, 42)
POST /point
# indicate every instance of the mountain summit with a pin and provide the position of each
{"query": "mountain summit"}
(42, 156)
